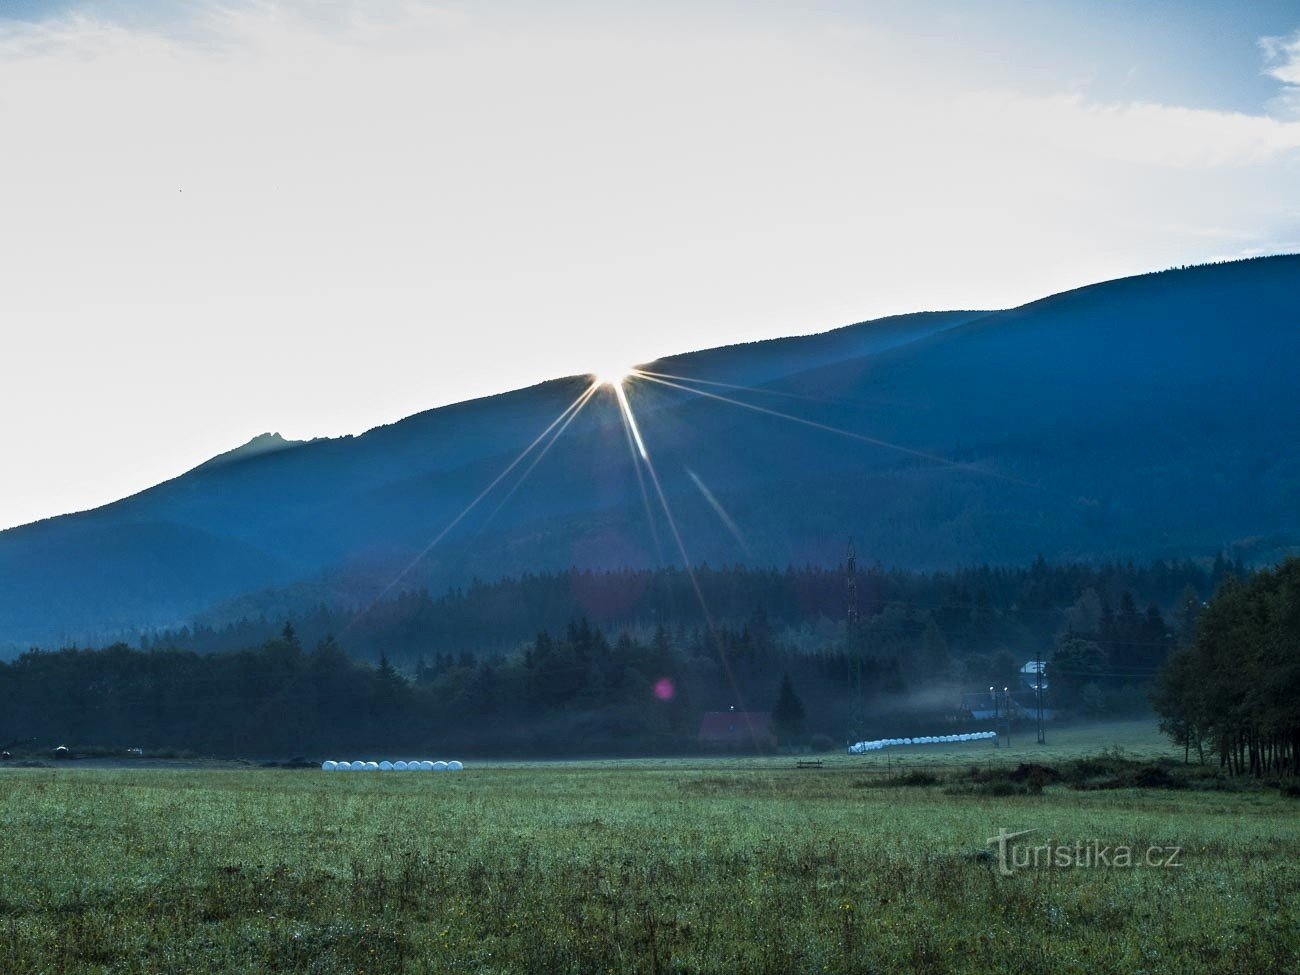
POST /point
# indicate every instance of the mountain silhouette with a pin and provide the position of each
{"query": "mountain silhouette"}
(1151, 417)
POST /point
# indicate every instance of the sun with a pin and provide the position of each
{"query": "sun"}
(613, 375)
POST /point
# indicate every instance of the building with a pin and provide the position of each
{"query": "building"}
(979, 705)
(1023, 704)
(1033, 673)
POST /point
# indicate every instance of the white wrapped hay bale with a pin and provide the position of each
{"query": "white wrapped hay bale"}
(862, 747)
(440, 766)
(372, 766)
(454, 766)
(385, 766)
(328, 766)
(426, 765)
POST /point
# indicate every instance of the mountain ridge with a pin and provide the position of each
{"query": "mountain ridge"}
(1117, 400)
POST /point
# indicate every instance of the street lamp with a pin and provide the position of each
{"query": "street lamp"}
(993, 694)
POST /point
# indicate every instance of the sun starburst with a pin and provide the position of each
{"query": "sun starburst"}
(612, 375)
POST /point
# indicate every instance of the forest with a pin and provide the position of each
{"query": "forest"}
(1234, 691)
(619, 663)
(982, 610)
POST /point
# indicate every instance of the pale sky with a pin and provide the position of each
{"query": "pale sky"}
(312, 218)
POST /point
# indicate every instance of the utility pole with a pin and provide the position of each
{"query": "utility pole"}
(851, 585)
(851, 638)
(996, 724)
(1038, 688)
(1006, 708)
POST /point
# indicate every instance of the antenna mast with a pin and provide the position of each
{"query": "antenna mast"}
(851, 586)
(853, 644)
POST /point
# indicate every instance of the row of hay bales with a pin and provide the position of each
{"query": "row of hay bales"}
(875, 746)
(420, 766)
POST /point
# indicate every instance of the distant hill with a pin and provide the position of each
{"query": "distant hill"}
(1150, 417)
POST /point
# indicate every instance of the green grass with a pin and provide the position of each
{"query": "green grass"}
(692, 866)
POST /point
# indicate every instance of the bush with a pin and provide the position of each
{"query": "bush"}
(1034, 775)
(1154, 777)
(822, 743)
(996, 786)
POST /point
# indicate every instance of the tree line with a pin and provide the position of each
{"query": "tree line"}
(983, 611)
(1234, 690)
(576, 692)
(581, 687)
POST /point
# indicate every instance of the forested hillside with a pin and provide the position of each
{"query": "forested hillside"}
(1151, 417)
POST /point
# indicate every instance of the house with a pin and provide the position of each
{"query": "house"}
(979, 705)
(736, 727)
(1032, 673)
(1023, 704)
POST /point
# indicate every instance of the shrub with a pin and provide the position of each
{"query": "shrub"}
(822, 743)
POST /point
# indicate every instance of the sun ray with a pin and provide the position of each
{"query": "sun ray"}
(640, 480)
(756, 390)
(874, 441)
(572, 408)
(626, 408)
(719, 510)
(623, 405)
(582, 402)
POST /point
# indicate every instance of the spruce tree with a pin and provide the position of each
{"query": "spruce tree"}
(788, 713)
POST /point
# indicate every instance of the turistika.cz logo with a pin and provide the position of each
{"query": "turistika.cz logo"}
(1081, 853)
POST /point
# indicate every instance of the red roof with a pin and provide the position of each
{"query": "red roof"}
(735, 726)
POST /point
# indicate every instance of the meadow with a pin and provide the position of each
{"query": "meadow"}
(874, 863)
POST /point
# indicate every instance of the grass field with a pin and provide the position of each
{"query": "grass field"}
(689, 865)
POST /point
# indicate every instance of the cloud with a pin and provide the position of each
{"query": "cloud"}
(1282, 55)
(1282, 61)
(1145, 133)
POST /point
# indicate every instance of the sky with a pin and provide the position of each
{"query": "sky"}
(218, 220)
